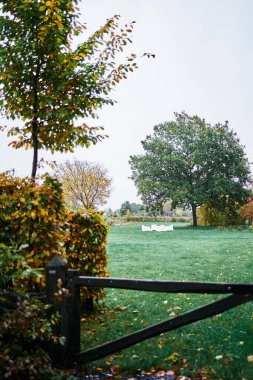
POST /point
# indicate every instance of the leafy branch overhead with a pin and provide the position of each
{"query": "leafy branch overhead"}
(50, 84)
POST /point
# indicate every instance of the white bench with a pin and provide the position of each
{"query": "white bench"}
(160, 228)
(145, 228)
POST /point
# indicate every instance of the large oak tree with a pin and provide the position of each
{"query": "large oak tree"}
(192, 163)
(48, 85)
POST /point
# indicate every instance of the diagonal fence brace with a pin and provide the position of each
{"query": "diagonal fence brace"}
(184, 319)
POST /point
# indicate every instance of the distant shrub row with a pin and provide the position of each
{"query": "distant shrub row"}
(143, 219)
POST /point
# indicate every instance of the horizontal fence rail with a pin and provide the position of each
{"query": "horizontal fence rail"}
(165, 286)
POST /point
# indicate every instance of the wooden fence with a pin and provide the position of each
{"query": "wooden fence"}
(68, 306)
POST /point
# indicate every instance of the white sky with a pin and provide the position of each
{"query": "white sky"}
(203, 65)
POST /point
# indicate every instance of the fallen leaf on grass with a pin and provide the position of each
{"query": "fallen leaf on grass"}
(122, 308)
(160, 373)
(115, 369)
(99, 319)
(110, 360)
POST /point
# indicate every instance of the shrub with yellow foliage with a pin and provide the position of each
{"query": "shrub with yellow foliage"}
(211, 216)
(33, 218)
(246, 211)
(85, 246)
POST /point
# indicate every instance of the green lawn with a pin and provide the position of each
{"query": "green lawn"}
(220, 344)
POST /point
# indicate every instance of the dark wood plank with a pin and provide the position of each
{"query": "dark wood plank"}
(191, 316)
(166, 286)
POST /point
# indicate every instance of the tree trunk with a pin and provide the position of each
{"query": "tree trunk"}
(35, 149)
(194, 215)
(35, 121)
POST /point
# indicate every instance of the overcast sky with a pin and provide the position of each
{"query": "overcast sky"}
(203, 65)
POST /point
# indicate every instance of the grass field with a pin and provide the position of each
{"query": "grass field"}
(221, 345)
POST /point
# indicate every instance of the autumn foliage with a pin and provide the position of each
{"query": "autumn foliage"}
(34, 226)
(247, 211)
(25, 326)
(85, 184)
(34, 220)
(32, 217)
(49, 81)
(85, 246)
(211, 216)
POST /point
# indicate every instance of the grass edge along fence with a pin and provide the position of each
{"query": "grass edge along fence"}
(69, 308)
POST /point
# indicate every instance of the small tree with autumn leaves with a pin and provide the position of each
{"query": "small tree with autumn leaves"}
(85, 184)
(247, 211)
(46, 85)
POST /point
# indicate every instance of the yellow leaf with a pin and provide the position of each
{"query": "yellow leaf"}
(33, 215)
(59, 24)
(49, 4)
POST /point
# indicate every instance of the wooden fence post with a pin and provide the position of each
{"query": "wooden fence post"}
(73, 326)
(67, 306)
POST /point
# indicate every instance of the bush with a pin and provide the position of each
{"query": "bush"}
(24, 326)
(32, 217)
(143, 219)
(210, 216)
(85, 246)
(246, 211)
(129, 215)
